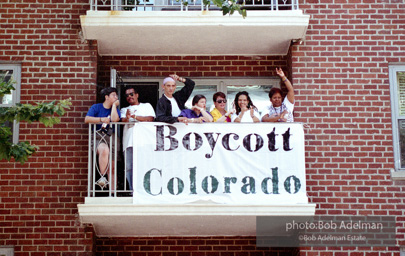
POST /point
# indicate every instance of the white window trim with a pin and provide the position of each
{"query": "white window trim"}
(7, 250)
(221, 82)
(16, 95)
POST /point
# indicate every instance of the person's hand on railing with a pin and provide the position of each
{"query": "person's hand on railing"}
(183, 119)
(105, 120)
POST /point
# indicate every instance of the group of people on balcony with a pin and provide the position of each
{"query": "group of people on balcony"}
(171, 108)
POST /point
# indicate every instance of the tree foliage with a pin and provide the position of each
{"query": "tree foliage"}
(228, 6)
(46, 113)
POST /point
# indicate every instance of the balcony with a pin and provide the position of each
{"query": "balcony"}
(198, 180)
(166, 27)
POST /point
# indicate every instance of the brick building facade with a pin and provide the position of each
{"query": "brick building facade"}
(341, 80)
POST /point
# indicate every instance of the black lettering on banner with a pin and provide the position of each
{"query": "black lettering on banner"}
(198, 141)
(286, 140)
(225, 141)
(246, 142)
(272, 140)
(160, 138)
(212, 142)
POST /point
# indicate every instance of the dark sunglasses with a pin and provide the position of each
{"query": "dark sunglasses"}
(129, 94)
(220, 101)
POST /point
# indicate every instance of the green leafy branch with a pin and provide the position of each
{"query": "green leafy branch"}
(227, 6)
(42, 112)
(20, 151)
(5, 87)
(46, 113)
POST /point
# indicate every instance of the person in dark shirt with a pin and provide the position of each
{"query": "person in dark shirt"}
(172, 103)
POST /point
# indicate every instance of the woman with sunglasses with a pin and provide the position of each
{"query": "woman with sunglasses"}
(246, 112)
(219, 113)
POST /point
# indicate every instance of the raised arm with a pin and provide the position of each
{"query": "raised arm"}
(290, 94)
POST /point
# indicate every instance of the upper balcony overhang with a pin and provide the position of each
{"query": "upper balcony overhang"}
(194, 32)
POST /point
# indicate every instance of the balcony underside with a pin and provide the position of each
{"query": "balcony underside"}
(116, 217)
(193, 32)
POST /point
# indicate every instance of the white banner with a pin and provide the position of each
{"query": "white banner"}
(224, 163)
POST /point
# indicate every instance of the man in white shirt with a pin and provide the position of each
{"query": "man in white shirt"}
(135, 112)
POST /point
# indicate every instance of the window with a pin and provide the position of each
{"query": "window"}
(397, 86)
(258, 89)
(11, 72)
(6, 251)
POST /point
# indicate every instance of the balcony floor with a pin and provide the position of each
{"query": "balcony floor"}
(119, 217)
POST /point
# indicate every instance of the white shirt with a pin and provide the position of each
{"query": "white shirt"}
(143, 109)
(274, 111)
(246, 118)
(175, 107)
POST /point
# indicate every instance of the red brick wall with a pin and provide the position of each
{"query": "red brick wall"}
(190, 66)
(340, 75)
(341, 79)
(38, 200)
(186, 246)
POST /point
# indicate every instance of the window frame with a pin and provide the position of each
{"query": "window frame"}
(222, 83)
(7, 250)
(15, 95)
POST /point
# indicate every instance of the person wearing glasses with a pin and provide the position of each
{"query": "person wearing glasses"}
(219, 113)
(135, 112)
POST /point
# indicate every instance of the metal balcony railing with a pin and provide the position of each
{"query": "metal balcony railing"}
(109, 181)
(187, 5)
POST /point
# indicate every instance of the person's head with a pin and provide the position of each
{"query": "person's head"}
(109, 94)
(242, 100)
(169, 86)
(199, 101)
(275, 97)
(131, 96)
(219, 100)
